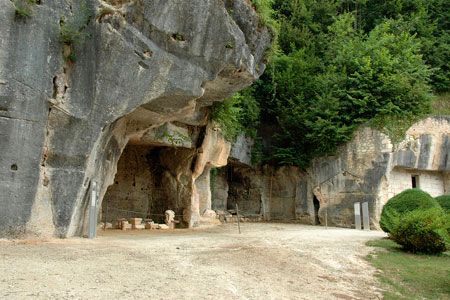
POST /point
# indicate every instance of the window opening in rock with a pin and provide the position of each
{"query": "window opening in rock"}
(316, 211)
(415, 181)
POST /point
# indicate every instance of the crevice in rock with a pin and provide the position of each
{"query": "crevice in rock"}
(143, 65)
(55, 87)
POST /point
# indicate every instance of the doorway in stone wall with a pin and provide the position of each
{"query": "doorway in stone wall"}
(316, 211)
(243, 190)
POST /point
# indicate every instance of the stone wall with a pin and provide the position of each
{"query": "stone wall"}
(367, 169)
(272, 194)
(431, 182)
(370, 168)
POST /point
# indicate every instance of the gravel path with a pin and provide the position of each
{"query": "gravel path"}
(267, 261)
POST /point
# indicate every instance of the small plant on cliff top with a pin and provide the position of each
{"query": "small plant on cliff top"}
(24, 8)
(266, 15)
(72, 29)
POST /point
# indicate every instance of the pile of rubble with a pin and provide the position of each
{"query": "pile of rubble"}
(230, 216)
(139, 223)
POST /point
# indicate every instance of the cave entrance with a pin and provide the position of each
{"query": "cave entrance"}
(143, 187)
(236, 184)
(316, 211)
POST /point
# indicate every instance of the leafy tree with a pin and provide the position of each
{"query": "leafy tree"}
(343, 63)
(237, 114)
(319, 101)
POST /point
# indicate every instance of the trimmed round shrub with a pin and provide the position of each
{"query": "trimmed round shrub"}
(444, 202)
(423, 231)
(406, 201)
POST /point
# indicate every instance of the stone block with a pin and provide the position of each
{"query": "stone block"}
(125, 225)
(136, 221)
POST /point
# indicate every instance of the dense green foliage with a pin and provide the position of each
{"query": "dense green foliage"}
(423, 231)
(339, 64)
(407, 201)
(266, 13)
(427, 19)
(408, 276)
(237, 114)
(444, 202)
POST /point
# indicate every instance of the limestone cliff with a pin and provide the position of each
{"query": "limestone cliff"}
(149, 63)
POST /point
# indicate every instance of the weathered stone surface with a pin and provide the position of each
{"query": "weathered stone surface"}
(220, 191)
(445, 154)
(65, 124)
(241, 149)
(406, 159)
(426, 151)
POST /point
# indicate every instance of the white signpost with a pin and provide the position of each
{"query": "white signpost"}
(365, 214)
(93, 211)
(357, 215)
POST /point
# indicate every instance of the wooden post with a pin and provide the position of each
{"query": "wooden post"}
(237, 214)
(326, 218)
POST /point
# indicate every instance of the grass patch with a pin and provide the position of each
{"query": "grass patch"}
(410, 276)
(441, 105)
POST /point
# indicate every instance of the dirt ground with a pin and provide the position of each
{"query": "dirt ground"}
(267, 261)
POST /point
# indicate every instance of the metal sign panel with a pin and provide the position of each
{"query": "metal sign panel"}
(357, 215)
(93, 211)
(365, 215)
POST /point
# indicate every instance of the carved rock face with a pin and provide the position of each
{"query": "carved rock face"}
(64, 124)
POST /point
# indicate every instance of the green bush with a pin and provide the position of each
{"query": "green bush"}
(424, 231)
(444, 202)
(407, 201)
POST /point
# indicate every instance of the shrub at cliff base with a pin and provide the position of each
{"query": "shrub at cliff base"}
(407, 201)
(444, 202)
(423, 231)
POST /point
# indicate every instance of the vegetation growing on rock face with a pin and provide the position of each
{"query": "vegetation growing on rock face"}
(73, 28)
(24, 8)
(403, 203)
(340, 64)
(237, 114)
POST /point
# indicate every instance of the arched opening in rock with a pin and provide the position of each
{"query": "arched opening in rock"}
(145, 185)
(316, 211)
